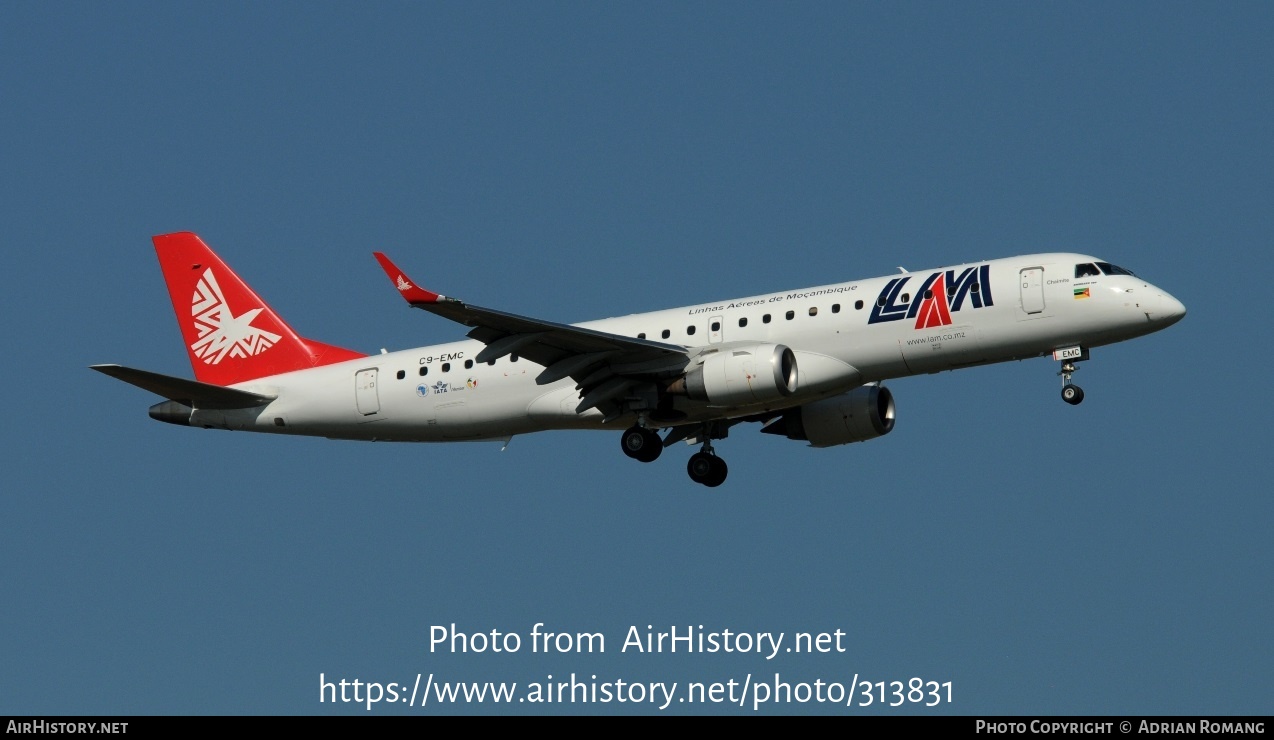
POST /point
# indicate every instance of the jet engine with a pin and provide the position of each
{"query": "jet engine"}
(172, 412)
(741, 375)
(859, 415)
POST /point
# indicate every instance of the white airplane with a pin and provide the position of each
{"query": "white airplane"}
(807, 364)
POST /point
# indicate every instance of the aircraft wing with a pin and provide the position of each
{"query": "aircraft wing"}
(606, 366)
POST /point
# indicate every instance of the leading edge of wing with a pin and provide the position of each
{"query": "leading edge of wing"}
(505, 333)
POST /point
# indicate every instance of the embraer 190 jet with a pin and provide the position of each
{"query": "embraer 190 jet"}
(805, 364)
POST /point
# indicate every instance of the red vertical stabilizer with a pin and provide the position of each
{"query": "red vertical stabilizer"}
(231, 334)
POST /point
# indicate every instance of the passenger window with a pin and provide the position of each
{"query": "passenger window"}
(424, 370)
(906, 298)
(858, 305)
(690, 329)
(743, 322)
(1087, 269)
(813, 311)
(665, 333)
(881, 300)
(928, 294)
(835, 308)
(790, 315)
(716, 326)
(765, 319)
(402, 374)
(513, 357)
(641, 335)
(491, 362)
(975, 287)
(446, 367)
(468, 364)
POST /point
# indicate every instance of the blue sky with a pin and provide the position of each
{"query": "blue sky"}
(579, 160)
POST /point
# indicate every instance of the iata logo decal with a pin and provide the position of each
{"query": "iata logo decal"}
(221, 333)
(939, 295)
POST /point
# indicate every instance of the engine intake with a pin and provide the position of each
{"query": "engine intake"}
(857, 416)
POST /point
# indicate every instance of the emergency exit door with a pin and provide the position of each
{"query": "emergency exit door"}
(365, 393)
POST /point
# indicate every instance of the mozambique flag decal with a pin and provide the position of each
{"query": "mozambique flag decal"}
(1081, 293)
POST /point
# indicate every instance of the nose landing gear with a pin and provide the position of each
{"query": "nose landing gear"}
(1071, 393)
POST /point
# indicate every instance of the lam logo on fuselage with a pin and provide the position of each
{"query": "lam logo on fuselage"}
(941, 294)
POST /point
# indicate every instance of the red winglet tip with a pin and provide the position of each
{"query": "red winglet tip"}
(411, 292)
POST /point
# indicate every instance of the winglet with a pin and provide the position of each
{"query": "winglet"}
(411, 292)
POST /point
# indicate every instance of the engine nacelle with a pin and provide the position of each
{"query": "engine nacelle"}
(172, 412)
(862, 414)
(739, 376)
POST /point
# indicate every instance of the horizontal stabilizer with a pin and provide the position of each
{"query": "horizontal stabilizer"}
(189, 392)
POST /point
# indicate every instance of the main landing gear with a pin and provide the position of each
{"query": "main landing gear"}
(641, 444)
(705, 467)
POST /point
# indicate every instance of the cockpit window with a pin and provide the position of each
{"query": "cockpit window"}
(1110, 269)
(1087, 269)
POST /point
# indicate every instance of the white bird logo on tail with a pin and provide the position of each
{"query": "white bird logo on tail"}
(221, 333)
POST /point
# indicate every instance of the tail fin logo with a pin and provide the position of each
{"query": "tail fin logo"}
(403, 285)
(221, 333)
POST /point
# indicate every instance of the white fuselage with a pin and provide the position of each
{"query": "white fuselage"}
(841, 334)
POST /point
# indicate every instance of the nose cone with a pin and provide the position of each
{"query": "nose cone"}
(1166, 310)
